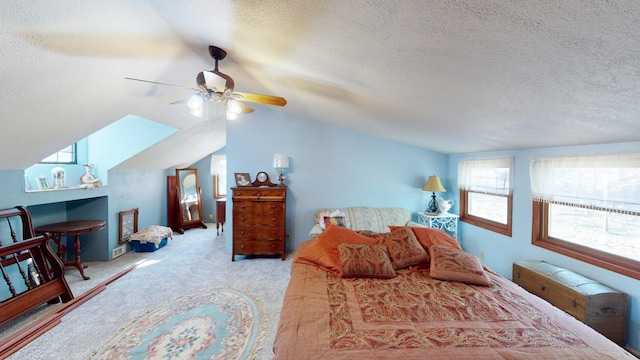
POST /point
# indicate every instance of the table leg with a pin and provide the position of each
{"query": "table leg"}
(60, 249)
(77, 262)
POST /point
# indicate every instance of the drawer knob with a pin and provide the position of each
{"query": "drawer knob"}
(542, 287)
(608, 310)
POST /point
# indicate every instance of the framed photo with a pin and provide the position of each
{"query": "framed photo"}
(27, 184)
(243, 179)
(128, 224)
(43, 183)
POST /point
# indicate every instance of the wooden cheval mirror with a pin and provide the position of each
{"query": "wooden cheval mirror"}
(185, 201)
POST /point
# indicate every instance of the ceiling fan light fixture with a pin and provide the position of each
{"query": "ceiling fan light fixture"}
(195, 103)
(231, 115)
(197, 112)
(233, 106)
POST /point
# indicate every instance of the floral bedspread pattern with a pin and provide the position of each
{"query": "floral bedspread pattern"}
(416, 311)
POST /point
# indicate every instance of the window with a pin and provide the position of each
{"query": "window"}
(219, 173)
(486, 193)
(64, 156)
(588, 207)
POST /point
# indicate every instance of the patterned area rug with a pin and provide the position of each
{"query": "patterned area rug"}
(217, 324)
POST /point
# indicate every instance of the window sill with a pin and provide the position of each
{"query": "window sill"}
(613, 263)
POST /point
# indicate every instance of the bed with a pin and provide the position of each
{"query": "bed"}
(334, 309)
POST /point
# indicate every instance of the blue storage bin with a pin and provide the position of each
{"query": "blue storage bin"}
(148, 246)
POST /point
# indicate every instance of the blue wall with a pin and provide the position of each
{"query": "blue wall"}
(106, 148)
(329, 167)
(501, 251)
(121, 140)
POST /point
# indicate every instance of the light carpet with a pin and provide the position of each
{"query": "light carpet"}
(190, 263)
(215, 324)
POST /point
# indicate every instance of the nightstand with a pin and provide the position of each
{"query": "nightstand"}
(445, 222)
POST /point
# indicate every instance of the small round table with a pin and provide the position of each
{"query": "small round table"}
(71, 228)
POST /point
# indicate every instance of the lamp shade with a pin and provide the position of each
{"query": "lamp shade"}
(195, 102)
(434, 185)
(280, 161)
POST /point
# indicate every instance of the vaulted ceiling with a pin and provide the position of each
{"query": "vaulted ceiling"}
(451, 76)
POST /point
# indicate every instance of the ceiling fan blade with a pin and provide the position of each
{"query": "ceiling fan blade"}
(159, 83)
(245, 109)
(181, 101)
(260, 99)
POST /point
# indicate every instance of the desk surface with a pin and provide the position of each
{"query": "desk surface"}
(72, 227)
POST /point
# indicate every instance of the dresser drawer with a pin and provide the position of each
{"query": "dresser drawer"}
(258, 232)
(257, 247)
(258, 207)
(259, 194)
(248, 219)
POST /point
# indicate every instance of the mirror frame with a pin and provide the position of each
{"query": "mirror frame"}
(182, 223)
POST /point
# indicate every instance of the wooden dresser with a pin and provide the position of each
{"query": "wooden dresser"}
(602, 308)
(258, 220)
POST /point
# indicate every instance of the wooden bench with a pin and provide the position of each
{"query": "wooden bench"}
(31, 271)
(602, 308)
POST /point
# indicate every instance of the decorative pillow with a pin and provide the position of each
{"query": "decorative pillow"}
(430, 236)
(404, 249)
(361, 260)
(456, 265)
(335, 220)
(323, 251)
(336, 217)
(369, 233)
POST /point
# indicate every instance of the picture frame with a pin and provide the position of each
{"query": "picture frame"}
(128, 224)
(243, 179)
(27, 184)
(43, 183)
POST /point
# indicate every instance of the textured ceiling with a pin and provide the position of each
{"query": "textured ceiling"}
(450, 76)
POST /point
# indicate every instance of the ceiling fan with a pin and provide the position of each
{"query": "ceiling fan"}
(217, 87)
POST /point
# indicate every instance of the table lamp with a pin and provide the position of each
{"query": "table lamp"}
(281, 162)
(434, 185)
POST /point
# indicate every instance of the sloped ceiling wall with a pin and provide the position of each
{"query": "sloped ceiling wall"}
(448, 76)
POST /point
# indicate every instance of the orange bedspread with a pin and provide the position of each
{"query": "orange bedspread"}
(414, 316)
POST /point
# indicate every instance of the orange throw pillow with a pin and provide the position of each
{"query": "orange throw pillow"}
(404, 249)
(323, 251)
(456, 265)
(361, 260)
(429, 237)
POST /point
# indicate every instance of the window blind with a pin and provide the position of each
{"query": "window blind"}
(609, 182)
(490, 176)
